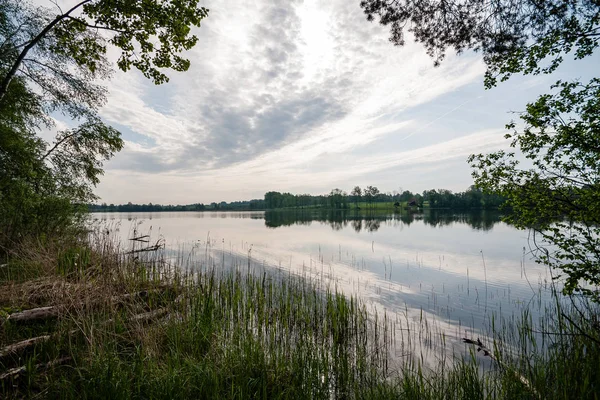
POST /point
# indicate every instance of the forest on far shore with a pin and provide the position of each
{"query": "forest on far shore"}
(364, 199)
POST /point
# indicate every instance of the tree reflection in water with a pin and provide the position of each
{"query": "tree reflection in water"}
(371, 221)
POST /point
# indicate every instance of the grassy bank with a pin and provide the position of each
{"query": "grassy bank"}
(116, 325)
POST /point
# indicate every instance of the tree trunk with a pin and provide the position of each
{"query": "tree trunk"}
(17, 64)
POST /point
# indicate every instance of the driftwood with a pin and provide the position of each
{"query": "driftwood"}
(143, 238)
(54, 311)
(488, 353)
(24, 344)
(146, 249)
(35, 313)
(149, 315)
(16, 347)
(18, 370)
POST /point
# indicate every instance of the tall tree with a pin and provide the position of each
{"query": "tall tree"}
(150, 34)
(559, 198)
(337, 198)
(53, 62)
(356, 195)
(370, 193)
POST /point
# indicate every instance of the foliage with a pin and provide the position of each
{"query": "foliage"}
(356, 195)
(29, 198)
(473, 198)
(514, 35)
(40, 187)
(149, 34)
(338, 199)
(370, 194)
(52, 63)
(559, 194)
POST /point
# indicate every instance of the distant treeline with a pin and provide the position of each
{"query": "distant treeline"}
(223, 206)
(371, 197)
(368, 198)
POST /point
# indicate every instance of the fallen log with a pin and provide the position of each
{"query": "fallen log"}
(143, 238)
(24, 344)
(16, 347)
(54, 311)
(150, 315)
(18, 370)
(146, 249)
(488, 353)
(35, 313)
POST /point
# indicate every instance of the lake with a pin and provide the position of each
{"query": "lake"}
(452, 271)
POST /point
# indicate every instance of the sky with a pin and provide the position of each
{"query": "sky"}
(303, 97)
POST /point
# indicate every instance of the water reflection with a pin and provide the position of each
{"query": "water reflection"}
(483, 220)
(461, 270)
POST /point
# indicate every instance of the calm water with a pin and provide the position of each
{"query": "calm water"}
(454, 270)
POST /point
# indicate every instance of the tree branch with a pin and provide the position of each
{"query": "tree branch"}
(17, 64)
(61, 141)
(82, 22)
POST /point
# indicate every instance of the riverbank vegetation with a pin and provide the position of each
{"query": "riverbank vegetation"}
(90, 318)
(101, 323)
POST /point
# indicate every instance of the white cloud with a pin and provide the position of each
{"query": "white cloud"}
(288, 95)
(268, 74)
(255, 177)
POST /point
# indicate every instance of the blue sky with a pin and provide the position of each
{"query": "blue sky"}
(305, 96)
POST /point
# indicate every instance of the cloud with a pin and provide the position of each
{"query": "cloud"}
(251, 179)
(300, 95)
(273, 75)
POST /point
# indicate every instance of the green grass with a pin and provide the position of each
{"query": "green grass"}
(386, 205)
(227, 334)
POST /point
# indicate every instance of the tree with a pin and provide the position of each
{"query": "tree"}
(559, 197)
(370, 194)
(432, 197)
(406, 196)
(150, 34)
(53, 63)
(356, 195)
(337, 198)
(513, 35)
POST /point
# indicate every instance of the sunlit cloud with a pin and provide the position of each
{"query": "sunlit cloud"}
(301, 95)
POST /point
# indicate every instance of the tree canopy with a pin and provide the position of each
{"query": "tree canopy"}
(52, 61)
(514, 36)
(560, 196)
(559, 133)
(149, 34)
